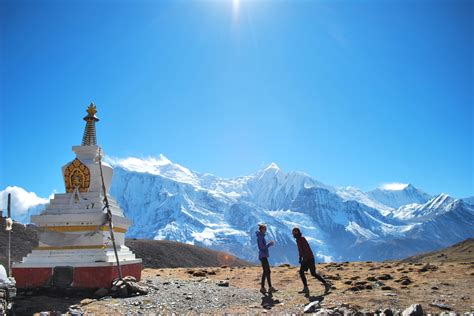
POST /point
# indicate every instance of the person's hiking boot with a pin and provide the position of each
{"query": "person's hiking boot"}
(263, 290)
(271, 289)
(304, 291)
(327, 288)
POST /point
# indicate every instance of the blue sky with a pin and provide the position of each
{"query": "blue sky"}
(356, 93)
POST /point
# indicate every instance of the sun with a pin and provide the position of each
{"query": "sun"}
(235, 8)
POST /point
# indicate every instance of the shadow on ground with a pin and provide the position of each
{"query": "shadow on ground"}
(268, 302)
(54, 301)
(318, 298)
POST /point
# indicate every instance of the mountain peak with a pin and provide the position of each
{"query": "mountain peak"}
(395, 186)
(397, 194)
(162, 158)
(440, 200)
(272, 166)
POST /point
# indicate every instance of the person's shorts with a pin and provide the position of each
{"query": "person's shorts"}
(309, 264)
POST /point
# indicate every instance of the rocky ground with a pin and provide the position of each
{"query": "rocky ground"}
(357, 286)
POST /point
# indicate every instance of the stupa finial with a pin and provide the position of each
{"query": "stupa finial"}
(89, 137)
(91, 110)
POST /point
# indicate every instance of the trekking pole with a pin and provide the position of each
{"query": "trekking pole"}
(272, 236)
(109, 216)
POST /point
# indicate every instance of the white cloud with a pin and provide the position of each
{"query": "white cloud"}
(394, 186)
(23, 203)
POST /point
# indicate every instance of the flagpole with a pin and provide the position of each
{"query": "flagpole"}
(9, 215)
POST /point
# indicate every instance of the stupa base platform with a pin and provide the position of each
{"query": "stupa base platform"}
(92, 275)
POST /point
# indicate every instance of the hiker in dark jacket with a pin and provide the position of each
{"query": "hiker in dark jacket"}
(263, 256)
(306, 259)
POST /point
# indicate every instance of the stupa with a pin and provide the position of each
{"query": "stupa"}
(75, 245)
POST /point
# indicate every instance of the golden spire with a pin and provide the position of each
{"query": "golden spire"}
(89, 137)
(91, 110)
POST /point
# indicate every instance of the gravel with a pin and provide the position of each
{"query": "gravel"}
(199, 296)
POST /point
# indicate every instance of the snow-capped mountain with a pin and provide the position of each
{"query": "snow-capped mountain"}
(397, 195)
(469, 200)
(438, 205)
(168, 201)
(354, 194)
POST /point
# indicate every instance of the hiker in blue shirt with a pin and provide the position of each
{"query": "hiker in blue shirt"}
(263, 256)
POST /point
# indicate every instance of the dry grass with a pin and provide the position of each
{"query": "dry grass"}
(449, 283)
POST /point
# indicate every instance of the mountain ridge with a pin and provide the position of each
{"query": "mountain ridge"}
(171, 202)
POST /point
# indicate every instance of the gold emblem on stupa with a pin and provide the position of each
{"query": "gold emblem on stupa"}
(77, 175)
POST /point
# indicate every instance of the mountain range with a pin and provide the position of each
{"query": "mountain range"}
(167, 201)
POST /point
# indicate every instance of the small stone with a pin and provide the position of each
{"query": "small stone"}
(386, 288)
(224, 283)
(371, 278)
(441, 305)
(428, 267)
(354, 289)
(311, 307)
(385, 277)
(129, 278)
(413, 310)
(200, 273)
(435, 288)
(406, 282)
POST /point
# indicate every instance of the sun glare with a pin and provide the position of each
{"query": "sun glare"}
(235, 9)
